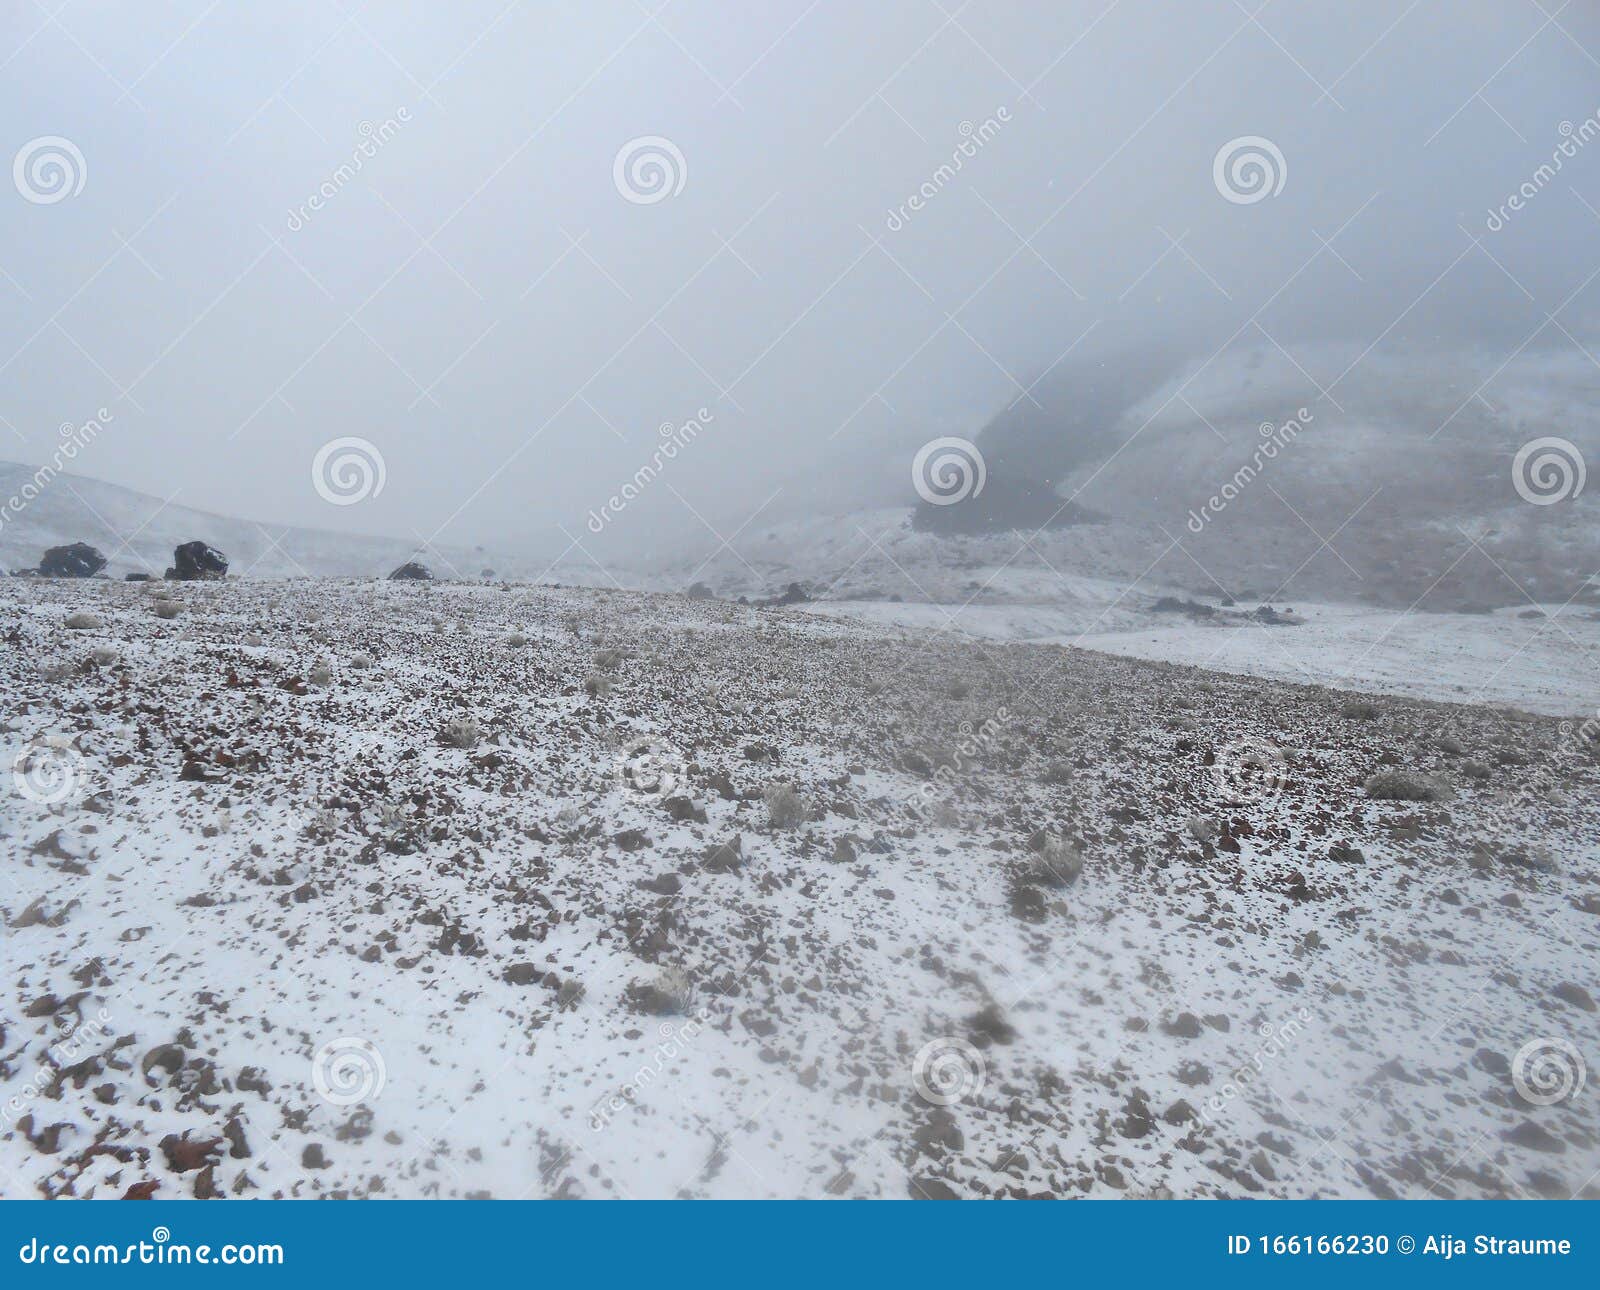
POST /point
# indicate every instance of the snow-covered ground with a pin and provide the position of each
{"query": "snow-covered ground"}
(1543, 659)
(1547, 663)
(327, 888)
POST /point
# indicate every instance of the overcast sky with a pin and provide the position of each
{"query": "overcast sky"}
(508, 314)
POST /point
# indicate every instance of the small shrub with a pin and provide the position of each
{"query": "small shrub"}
(786, 809)
(676, 984)
(1060, 863)
(608, 660)
(1407, 786)
(1360, 710)
(460, 732)
(325, 823)
(1451, 746)
(361, 661)
(516, 640)
(82, 622)
(103, 655)
(597, 685)
(944, 814)
(1201, 829)
(1058, 771)
(321, 675)
(958, 689)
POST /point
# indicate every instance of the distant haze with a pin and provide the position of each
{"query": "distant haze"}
(479, 300)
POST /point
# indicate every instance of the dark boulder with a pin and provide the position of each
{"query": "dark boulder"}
(77, 560)
(197, 562)
(136, 577)
(411, 571)
(793, 594)
(1276, 617)
(1172, 605)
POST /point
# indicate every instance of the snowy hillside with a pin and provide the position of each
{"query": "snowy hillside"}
(1408, 466)
(137, 532)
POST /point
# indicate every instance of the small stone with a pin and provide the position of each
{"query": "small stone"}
(1576, 995)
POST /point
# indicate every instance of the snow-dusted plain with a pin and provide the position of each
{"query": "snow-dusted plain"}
(1539, 659)
(325, 888)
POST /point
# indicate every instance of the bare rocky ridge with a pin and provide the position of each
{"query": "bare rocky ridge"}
(441, 890)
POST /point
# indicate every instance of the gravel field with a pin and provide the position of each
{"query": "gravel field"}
(333, 888)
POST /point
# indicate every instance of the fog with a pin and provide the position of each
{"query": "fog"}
(508, 312)
(915, 599)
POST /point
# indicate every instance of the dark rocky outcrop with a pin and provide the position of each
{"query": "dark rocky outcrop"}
(411, 571)
(1067, 419)
(1172, 605)
(76, 560)
(1004, 504)
(793, 594)
(699, 591)
(197, 562)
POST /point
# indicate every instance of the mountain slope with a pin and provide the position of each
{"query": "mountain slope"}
(137, 532)
(1412, 467)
